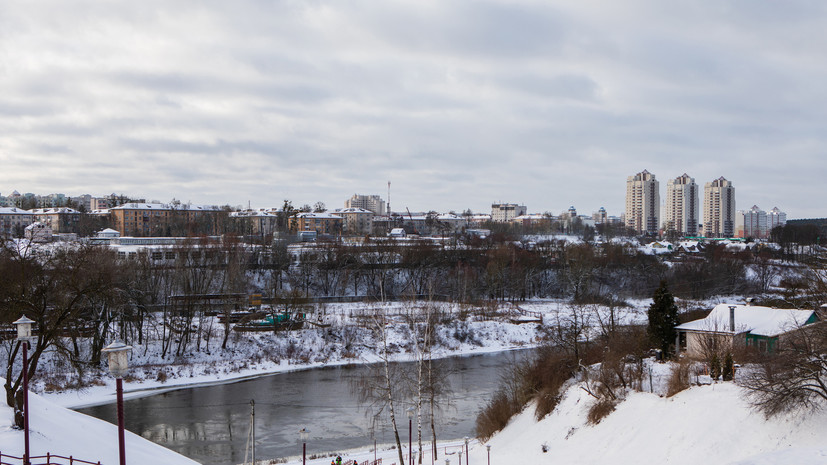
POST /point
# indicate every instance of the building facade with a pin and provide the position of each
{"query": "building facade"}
(60, 220)
(643, 203)
(751, 223)
(373, 203)
(719, 208)
(13, 221)
(162, 219)
(356, 221)
(321, 223)
(682, 206)
(776, 218)
(505, 212)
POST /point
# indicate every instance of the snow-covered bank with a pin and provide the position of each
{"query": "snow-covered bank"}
(252, 355)
(57, 430)
(705, 424)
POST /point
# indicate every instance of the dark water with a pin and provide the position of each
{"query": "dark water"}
(211, 424)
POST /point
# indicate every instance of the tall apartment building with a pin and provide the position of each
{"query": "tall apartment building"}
(505, 212)
(751, 223)
(643, 203)
(719, 208)
(682, 206)
(373, 203)
(775, 218)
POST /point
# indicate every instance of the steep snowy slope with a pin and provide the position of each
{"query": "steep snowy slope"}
(705, 424)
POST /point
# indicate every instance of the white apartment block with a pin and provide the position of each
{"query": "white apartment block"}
(505, 212)
(751, 223)
(682, 206)
(719, 208)
(643, 203)
(373, 203)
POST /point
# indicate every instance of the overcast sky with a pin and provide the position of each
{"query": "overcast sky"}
(459, 104)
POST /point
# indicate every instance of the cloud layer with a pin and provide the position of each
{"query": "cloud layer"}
(458, 104)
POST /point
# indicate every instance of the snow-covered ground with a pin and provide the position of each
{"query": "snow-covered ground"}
(705, 424)
(56, 430)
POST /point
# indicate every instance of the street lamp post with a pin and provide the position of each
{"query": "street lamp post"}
(118, 354)
(303, 433)
(466, 451)
(24, 334)
(460, 458)
(488, 448)
(410, 413)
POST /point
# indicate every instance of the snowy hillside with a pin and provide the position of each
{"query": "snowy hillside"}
(705, 424)
(63, 432)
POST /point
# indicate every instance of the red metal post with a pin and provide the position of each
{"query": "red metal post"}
(121, 445)
(374, 450)
(26, 455)
(304, 453)
(410, 441)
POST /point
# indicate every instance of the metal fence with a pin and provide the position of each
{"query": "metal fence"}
(48, 459)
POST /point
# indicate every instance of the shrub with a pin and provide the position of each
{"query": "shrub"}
(679, 379)
(600, 410)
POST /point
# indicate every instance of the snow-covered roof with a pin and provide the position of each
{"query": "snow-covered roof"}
(352, 210)
(13, 211)
(761, 321)
(42, 211)
(252, 213)
(164, 206)
(36, 225)
(318, 215)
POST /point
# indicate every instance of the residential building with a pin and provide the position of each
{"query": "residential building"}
(356, 221)
(99, 203)
(60, 219)
(13, 221)
(38, 232)
(505, 212)
(775, 218)
(373, 203)
(728, 326)
(162, 219)
(533, 219)
(600, 216)
(682, 206)
(751, 223)
(322, 223)
(719, 208)
(643, 203)
(255, 222)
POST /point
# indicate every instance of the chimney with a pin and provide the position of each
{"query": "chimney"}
(732, 318)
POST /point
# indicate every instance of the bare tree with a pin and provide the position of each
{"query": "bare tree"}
(381, 390)
(796, 376)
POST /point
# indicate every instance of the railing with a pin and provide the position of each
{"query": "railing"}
(48, 459)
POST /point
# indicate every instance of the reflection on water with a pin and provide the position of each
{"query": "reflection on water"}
(211, 424)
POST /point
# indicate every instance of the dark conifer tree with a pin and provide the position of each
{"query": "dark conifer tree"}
(663, 317)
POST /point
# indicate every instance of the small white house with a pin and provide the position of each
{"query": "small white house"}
(38, 232)
(397, 232)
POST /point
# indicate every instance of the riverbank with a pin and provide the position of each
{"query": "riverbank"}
(347, 341)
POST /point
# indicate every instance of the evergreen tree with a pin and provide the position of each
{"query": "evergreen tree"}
(715, 367)
(729, 367)
(663, 317)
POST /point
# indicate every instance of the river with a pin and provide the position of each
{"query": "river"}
(210, 424)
